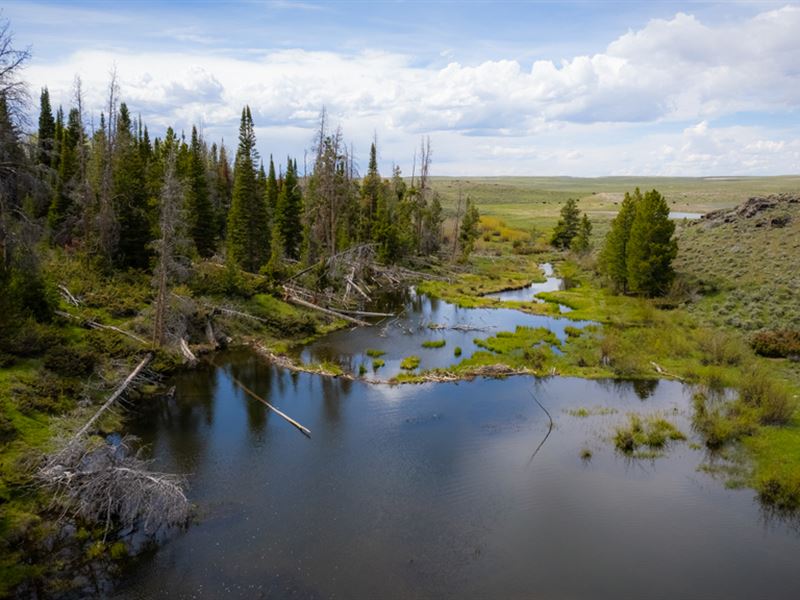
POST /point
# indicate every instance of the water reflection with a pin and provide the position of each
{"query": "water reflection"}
(426, 491)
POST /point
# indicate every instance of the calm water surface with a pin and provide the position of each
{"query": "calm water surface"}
(433, 491)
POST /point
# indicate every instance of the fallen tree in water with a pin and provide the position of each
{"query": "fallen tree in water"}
(104, 483)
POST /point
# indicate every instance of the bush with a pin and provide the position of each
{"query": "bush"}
(720, 348)
(773, 400)
(777, 343)
(70, 361)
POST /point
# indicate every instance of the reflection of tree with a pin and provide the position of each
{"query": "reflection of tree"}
(643, 388)
(334, 390)
(257, 375)
(184, 416)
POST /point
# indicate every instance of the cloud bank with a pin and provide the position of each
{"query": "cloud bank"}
(663, 99)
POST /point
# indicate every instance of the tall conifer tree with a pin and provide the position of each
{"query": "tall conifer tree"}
(651, 247)
(614, 255)
(47, 129)
(201, 215)
(248, 228)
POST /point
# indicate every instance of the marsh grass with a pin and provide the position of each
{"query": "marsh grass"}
(434, 344)
(373, 353)
(653, 433)
(409, 363)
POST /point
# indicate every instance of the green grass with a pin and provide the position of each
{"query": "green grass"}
(653, 433)
(409, 363)
(377, 363)
(373, 353)
(593, 411)
(434, 344)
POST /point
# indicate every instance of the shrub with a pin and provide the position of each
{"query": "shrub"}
(70, 361)
(377, 363)
(373, 353)
(457, 351)
(777, 343)
(720, 348)
(772, 399)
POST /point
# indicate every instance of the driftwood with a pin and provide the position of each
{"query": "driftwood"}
(304, 430)
(95, 325)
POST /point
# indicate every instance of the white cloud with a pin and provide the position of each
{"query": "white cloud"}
(669, 71)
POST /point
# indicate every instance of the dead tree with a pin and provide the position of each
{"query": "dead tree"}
(169, 247)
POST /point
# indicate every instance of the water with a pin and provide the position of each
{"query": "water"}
(437, 490)
(403, 336)
(430, 491)
(529, 293)
(684, 215)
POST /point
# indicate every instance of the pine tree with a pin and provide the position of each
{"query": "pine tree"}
(272, 188)
(469, 229)
(224, 189)
(567, 227)
(200, 212)
(289, 212)
(248, 229)
(47, 129)
(582, 243)
(130, 197)
(370, 195)
(62, 203)
(614, 255)
(651, 247)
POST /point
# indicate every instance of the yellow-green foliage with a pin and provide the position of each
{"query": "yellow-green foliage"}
(373, 353)
(434, 343)
(409, 363)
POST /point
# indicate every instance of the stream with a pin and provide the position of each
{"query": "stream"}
(433, 490)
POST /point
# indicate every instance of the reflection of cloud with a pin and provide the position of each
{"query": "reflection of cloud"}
(674, 70)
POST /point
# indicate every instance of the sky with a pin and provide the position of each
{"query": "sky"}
(502, 88)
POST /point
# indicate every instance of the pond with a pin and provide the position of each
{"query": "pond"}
(421, 319)
(443, 489)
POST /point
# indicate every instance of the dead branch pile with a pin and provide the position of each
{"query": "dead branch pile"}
(104, 482)
(343, 283)
(108, 483)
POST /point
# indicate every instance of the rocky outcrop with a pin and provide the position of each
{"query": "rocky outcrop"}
(755, 207)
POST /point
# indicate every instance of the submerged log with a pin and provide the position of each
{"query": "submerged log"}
(304, 430)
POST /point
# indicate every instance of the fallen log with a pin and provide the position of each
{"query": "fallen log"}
(68, 295)
(95, 325)
(365, 313)
(113, 397)
(304, 430)
(339, 315)
(187, 352)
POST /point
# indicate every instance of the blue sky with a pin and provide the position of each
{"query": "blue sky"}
(502, 88)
